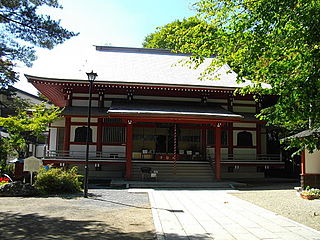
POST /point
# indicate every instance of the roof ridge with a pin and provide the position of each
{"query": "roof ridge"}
(139, 50)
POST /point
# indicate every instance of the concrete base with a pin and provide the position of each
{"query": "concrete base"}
(140, 184)
(312, 181)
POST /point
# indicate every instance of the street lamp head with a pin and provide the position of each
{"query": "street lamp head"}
(92, 76)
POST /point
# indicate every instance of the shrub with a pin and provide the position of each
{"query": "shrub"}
(310, 193)
(57, 180)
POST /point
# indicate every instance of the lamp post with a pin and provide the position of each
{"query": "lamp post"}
(91, 77)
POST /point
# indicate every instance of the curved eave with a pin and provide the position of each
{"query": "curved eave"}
(128, 83)
(55, 89)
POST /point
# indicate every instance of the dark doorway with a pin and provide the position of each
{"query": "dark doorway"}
(161, 146)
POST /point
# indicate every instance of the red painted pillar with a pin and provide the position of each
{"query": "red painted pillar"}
(217, 151)
(129, 149)
(66, 140)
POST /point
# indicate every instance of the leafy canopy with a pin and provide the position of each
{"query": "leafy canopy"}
(28, 124)
(194, 36)
(265, 41)
(22, 28)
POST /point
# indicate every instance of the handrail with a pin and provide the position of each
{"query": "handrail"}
(80, 155)
(115, 156)
(249, 158)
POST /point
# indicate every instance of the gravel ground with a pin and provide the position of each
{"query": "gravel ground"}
(286, 202)
(120, 215)
(106, 214)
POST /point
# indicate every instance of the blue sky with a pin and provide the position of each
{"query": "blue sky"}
(122, 23)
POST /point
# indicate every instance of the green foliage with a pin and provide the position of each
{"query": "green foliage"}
(190, 35)
(9, 169)
(3, 155)
(265, 41)
(21, 29)
(314, 192)
(27, 124)
(57, 180)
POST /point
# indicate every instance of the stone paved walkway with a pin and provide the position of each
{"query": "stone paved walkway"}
(214, 214)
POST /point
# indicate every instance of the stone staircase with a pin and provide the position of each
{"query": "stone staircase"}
(183, 172)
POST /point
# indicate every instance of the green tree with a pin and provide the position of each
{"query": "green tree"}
(267, 41)
(22, 28)
(191, 35)
(26, 125)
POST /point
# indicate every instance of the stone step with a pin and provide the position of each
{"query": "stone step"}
(174, 184)
(193, 172)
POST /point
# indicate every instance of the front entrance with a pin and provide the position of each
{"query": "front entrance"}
(159, 141)
(161, 144)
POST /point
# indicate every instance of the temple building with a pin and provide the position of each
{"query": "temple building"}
(152, 109)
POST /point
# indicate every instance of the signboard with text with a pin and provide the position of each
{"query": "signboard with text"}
(32, 164)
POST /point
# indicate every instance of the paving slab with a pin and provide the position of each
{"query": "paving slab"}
(215, 214)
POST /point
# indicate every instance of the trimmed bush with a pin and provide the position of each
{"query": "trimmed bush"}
(58, 180)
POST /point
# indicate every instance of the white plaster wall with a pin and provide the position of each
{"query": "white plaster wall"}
(84, 103)
(218, 101)
(211, 150)
(53, 139)
(245, 125)
(58, 123)
(80, 150)
(167, 98)
(312, 162)
(84, 120)
(40, 150)
(121, 150)
(244, 153)
(80, 94)
(243, 102)
(73, 130)
(243, 109)
(107, 103)
(116, 96)
(253, 133)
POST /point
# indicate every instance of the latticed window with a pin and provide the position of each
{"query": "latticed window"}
(114, 134)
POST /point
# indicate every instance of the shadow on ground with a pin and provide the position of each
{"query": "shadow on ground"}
(36, 227)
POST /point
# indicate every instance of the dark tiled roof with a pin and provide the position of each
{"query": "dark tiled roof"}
(83, 111)
(186, 109)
